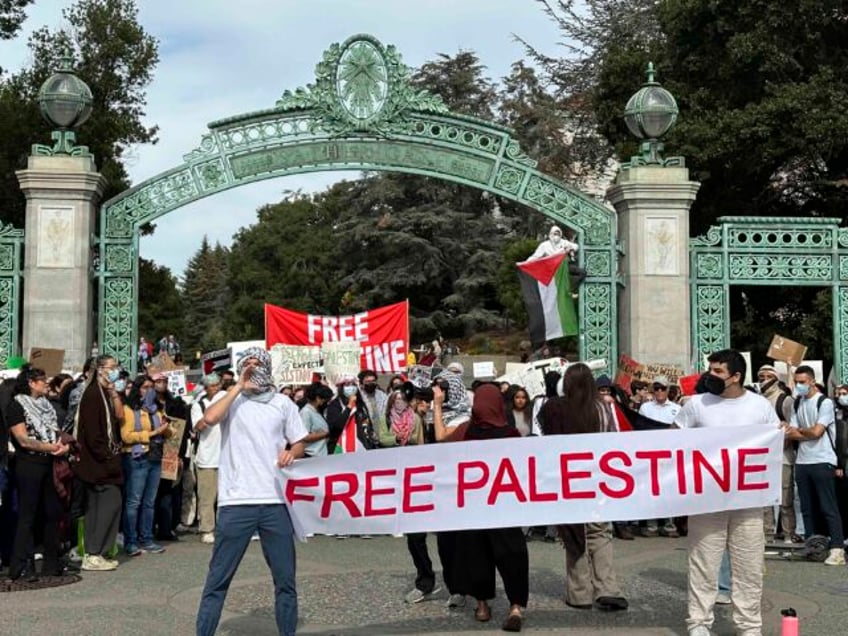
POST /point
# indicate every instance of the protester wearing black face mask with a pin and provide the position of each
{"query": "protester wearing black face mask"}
(725, 402)
(374, 397)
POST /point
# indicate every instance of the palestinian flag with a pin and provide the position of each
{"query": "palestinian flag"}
(546, 286)
(348, 441)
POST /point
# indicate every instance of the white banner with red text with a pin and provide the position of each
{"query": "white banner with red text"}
(536, 481)
(382, 333)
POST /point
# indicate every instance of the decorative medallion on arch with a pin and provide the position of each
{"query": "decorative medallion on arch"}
(361, 113)
(766, 251)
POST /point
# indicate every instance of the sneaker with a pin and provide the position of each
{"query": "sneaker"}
(96, 563)
(207, 537)
(153, 548)
(700, 630)
(416, 595)
(183, 528)
(74, 556)
(723, 598)
(669, 531)
(648, 531)
(254, 536)
(456, 600)
(112, 563)
(133, 551)
(365, 536)
(836, 557)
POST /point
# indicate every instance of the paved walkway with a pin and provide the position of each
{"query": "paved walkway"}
(356, 587)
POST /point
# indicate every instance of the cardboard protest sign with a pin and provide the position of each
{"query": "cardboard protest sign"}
(671, 371)
(171, 460)
(52, 361)
(293, 364)
(341, 359)
(628, 370)
(789, 351)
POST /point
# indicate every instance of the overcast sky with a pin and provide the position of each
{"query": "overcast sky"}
(220, 58)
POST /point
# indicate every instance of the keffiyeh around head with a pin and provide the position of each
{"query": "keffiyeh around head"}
(456, 404)
(261, 375)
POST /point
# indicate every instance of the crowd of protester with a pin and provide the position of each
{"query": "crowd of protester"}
(81, 475)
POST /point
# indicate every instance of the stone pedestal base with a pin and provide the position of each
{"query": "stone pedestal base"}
(62, 193)
(653, 206)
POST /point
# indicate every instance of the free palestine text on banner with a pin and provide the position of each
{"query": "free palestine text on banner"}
(536, 481)
(382, 333)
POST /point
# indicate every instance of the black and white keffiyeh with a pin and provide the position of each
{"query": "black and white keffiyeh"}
(40, 418)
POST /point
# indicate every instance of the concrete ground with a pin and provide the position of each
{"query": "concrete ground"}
(356, 587)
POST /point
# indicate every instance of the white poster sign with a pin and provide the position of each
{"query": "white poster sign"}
(539, 480)
(177, 382)
(340, 359)
(239, 348)
(294, 364)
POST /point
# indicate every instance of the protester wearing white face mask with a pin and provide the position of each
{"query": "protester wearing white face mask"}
(813, 427)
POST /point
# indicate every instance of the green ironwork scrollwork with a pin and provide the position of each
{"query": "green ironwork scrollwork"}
(11, 249)
(766, 251)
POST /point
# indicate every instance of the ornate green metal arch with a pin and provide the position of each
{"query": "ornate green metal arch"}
(361, 113)
(767, 251)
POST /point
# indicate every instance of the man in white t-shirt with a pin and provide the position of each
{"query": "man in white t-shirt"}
(660, 409)
(261, 431)
(207, 456)
(813, 426)
(740, 532)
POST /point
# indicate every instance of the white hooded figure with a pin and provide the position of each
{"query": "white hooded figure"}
(555, 244)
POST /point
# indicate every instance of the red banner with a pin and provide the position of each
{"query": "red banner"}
(383, 333)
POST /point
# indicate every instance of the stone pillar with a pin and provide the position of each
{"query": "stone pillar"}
(653, 224)
(62, 194)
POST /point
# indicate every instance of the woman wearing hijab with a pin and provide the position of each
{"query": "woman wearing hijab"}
(590, 576)
(403, 426)
(480, 553)
(34, 432)
(142, 433)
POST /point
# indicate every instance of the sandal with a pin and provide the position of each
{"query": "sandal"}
(512, 622)
(483, 614)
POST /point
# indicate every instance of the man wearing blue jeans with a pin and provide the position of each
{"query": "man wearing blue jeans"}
(257, 426)
(813, 426)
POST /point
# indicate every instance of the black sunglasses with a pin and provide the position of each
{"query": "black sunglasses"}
(660, 387)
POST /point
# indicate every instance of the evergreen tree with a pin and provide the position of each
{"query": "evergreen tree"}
(205, 299)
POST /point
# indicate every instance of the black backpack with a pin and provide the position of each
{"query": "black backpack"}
(819, 402)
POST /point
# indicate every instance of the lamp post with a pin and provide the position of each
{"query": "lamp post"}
(649, 114)
(65, 102)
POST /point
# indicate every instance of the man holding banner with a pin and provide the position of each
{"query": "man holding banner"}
(257, 425)
(740, 532)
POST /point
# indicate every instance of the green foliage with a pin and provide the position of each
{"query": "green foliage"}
(288, 258)
(460, 82)
(12, 15)
(205, 299)
(159, 302)
(115, 56)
